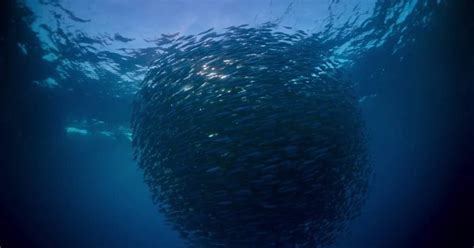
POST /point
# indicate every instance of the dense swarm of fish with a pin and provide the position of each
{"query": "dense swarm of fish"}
(250, 138)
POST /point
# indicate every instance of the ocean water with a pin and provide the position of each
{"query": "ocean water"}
(72, 71)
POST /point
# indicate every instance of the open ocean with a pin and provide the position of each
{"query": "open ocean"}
(237, 123)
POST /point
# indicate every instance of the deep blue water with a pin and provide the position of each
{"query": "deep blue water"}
(70, 69)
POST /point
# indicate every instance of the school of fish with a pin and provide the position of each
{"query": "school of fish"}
(251, 137)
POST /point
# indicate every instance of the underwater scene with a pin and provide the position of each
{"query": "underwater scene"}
(237, 123)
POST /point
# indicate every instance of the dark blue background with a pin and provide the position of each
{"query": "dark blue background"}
(72, 191)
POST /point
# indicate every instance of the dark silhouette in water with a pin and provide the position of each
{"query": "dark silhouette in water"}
(250, 139)
(36, 150)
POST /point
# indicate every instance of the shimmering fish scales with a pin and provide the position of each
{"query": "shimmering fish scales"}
(250, 138)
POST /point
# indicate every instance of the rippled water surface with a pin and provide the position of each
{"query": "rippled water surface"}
(74, 69)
